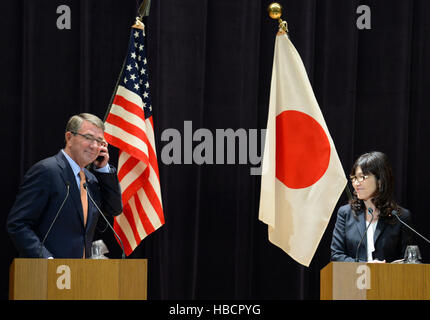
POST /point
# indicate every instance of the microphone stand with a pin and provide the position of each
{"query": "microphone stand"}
(107, 221)
(55, 219)
(370, 211)
(395, 213)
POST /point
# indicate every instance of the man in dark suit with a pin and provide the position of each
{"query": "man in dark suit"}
(52, 215)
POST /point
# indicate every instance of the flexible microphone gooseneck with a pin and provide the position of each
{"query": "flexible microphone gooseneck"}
(55, 219)
(369, 211)
(107, 221)
(396, 214)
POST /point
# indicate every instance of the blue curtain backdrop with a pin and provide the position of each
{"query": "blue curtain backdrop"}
(210, 63)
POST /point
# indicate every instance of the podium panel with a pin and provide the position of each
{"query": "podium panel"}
(78, 279)
(374, 281)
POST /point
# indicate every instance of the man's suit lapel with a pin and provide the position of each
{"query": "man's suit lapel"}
(68, 177)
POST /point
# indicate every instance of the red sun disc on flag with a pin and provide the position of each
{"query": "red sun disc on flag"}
(302, 149)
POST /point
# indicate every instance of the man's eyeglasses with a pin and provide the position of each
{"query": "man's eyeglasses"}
(358, 179)
(90, 138)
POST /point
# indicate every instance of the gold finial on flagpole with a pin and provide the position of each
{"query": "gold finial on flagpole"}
(275, 12)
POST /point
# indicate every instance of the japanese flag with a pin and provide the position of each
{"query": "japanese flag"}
(302, 176)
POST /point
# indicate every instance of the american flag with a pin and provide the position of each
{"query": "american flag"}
(129, 127)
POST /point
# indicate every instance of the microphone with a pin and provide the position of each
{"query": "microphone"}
(369, 211)
(396, 214)
(107, 221)
(55, 218)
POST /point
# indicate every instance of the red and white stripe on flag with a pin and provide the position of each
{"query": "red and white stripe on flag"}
(302, 176)
(128, 129)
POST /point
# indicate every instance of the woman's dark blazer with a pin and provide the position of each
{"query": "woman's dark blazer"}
(391, 237)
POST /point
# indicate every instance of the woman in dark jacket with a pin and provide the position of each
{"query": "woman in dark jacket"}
(373, 207)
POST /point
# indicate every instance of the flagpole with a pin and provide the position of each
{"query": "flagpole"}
(275, 12)
(143, 11)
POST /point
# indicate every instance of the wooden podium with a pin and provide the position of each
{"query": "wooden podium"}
(375, 281)
(78, 279)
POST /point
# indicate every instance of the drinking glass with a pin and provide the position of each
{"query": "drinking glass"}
(412, 254)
